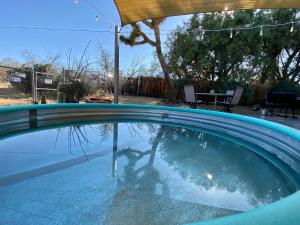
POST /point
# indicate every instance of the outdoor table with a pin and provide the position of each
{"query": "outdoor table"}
(216, 95)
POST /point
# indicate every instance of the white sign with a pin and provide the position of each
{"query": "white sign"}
(23, 75)
(48, 81)
(17, 74)
(15, 79)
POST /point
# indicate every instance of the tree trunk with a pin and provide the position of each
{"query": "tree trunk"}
(164, 66)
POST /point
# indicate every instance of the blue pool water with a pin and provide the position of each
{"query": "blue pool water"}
(131, 173)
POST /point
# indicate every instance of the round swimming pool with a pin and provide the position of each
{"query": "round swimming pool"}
(132, 164)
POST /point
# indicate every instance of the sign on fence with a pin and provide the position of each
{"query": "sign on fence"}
(48, 81)
(16, 80)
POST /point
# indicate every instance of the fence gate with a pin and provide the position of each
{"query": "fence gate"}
(46, 85)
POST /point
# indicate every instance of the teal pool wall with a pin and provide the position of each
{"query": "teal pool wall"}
(285, 211)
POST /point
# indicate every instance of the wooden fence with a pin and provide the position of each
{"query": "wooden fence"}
(157, 87)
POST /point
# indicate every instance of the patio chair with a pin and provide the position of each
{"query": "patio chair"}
(229, 96)
(190, 96)
(232, 98)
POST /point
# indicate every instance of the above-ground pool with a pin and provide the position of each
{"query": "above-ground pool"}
(130, 164)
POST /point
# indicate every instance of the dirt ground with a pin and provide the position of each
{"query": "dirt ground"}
(122, 100)
(125, 99)
(18, 101)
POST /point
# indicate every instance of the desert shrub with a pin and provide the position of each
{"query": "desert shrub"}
(74, 91)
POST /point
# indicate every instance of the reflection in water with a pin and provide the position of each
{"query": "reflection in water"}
(132, 173)
(224, 166)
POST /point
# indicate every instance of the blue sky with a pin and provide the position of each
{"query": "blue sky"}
(64, 14)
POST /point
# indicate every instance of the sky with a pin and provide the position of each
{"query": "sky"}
(66, 14)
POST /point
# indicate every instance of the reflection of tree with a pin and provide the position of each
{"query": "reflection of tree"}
(78, 135)
(146, 176)
(105, 130)
(136, 196)
(143, 196)
(222, 165)
(131, 173)
(205, 160)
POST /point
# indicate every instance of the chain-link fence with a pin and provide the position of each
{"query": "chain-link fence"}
(46, 86)
(15, 86)
(25, 86)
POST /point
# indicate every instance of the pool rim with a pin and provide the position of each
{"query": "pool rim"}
(283, 211)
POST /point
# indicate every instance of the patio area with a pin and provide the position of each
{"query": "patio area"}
(242, 110)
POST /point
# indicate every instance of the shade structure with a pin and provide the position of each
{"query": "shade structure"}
(136, 10)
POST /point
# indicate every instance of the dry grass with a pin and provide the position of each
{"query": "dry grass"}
(5, 85)
(10, 101)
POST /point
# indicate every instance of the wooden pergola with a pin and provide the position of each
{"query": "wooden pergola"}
(136, 10)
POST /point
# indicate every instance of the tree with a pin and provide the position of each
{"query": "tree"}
(240, 56)
(77, 82)
(212, 56)
(154, 68)
(105, 60)
(135, 68)
(280, 49)
(138, 37)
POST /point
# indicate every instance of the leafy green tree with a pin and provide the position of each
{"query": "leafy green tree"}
(236, 56)
(280, 49)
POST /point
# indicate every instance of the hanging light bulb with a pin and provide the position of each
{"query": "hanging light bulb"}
(97, 18)
(231, 34)
(76, 1)
(292, 28)
(261, 33)
(226, 8)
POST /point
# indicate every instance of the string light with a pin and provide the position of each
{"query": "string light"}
(203, 31)
(261, 33)
(92, 6)
(226, 7)
(292, 28)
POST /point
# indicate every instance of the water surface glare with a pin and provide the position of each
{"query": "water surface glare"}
(131, 173)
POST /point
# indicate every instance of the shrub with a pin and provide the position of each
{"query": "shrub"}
(74, 91)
